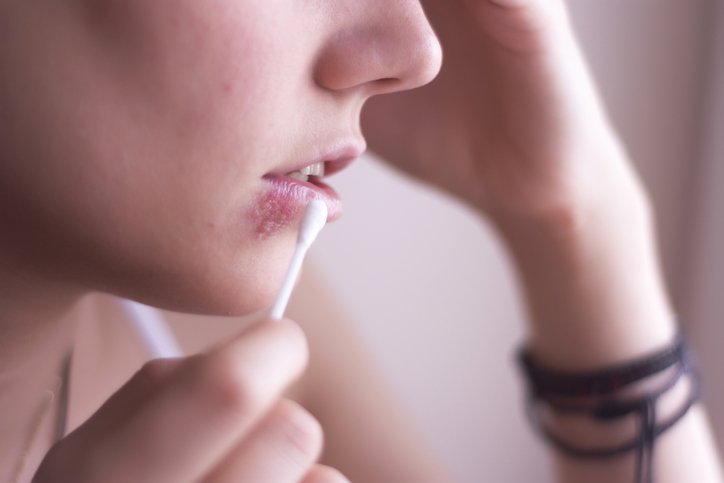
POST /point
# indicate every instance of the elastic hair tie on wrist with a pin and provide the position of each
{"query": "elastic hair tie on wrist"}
(554, 389)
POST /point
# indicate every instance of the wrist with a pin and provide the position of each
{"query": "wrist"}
(588, 196)
(592, 282)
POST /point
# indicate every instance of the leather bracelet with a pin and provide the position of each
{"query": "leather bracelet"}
(547, 382)
(592, 394)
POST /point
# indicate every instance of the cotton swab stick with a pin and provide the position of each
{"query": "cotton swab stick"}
(153, 330)
(313, 221)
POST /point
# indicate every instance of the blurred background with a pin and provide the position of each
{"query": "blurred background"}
(446, 321)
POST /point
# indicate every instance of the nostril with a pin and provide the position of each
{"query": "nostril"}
(387, 82)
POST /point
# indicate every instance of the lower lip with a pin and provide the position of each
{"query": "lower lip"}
(283, 200)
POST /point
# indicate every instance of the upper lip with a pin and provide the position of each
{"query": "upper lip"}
(335, 157)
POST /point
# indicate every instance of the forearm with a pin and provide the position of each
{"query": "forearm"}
(592, 284)
(596, 297)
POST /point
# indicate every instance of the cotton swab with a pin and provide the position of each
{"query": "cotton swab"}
(313, 221)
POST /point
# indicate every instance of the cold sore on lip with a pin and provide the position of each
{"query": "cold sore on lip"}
(282, 201)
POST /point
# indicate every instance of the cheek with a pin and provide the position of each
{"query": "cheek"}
(191, 81)
(170, 98)
(152, 140)
(185, 51)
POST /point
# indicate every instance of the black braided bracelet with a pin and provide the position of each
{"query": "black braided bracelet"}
(547, 382)
(595, 393)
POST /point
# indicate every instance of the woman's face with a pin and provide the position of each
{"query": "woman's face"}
(144, 143)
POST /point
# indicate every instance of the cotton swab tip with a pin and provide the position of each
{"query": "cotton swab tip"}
(314, 219)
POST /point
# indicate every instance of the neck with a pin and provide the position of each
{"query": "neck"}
(36, 332)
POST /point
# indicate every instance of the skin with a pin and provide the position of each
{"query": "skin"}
(183, 96)
(207, 135)
(149, 119)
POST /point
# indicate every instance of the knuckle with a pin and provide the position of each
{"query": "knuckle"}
(156, 371)
(228, 385)
(300, 432)
(240, 382)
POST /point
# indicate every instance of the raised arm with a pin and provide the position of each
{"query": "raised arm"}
(513, 126)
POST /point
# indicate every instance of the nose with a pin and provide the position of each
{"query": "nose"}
(379, 46)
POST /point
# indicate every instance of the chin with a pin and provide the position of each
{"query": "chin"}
(213, 274)
(249, 288)
(223, 299)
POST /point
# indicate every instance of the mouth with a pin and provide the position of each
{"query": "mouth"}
(290, 189)
(332, 162)
(316, 171)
